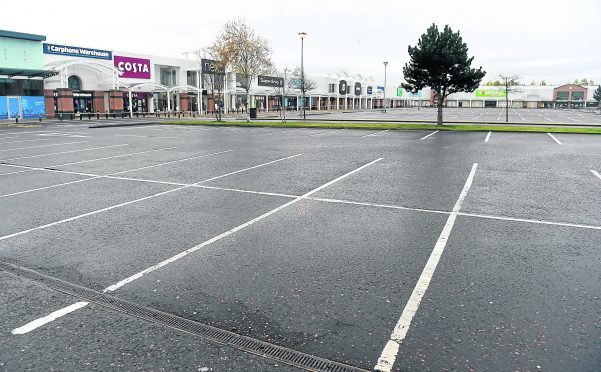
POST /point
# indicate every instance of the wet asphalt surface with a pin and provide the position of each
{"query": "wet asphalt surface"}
(322, 276)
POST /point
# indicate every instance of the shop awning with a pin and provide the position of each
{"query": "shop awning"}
(19, 72)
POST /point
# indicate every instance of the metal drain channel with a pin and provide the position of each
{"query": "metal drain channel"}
(244, 343)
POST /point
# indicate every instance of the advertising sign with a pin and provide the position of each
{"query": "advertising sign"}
(33, 106)
(399, 91)
(370, 90)
(357, 89)
(491, 92)
(210, 66)
(270, 81)
(342, 87)
(133, 68)
(65, 50)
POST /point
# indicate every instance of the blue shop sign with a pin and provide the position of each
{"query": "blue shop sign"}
(65, 50)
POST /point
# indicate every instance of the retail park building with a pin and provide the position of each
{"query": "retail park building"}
(42, 79)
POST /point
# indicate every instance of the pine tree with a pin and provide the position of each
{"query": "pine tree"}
(440, 61)
(597, 95)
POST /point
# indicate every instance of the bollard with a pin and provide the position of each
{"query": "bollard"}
(80, 117)
(179, 115)
(17, 119)
(137, 115)
(89, 116)
(40, 118)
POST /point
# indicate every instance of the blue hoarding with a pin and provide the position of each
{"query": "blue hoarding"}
(65, 50)
(3, 108)
(33, 106)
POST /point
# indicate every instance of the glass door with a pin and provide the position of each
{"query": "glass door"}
(14, 107)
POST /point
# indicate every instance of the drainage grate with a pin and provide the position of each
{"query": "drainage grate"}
(244, 343)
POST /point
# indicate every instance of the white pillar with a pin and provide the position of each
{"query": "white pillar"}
(267, 103)
(353, 102)
(150, 100)
(337, 102)
(345, 102)
(168, 100)
(319, 103)
(131, 107)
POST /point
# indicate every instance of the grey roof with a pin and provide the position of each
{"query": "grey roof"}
(21, 35)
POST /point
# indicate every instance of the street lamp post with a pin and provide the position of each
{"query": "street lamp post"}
(385, 64)
(302, 36)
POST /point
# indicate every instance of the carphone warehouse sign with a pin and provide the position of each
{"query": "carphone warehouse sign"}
(65, 50)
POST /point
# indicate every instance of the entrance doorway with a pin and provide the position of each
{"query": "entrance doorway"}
(14, 107)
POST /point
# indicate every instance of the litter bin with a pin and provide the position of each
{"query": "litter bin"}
(253, 112)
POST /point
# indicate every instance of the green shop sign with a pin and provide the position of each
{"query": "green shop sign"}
(399, 91)
(491, 93)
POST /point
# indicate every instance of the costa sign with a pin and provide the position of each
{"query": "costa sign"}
(133, 68)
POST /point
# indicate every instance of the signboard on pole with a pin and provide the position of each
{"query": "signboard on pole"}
(342, 87)
(370, 90)
(270, 81)
(210, 66)
(357, 89)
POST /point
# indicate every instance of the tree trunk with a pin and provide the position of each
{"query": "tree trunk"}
(439, 117)
(248, 105)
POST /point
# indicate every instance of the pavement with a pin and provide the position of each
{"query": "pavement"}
(568, 117)
(389, 250)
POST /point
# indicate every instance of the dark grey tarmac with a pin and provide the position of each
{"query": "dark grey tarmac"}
(517, 287)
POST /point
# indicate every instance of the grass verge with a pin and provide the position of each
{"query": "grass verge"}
(391, 126)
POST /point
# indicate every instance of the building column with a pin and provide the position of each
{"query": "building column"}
(115, 101)
(267, 103)
(337, 102)
(319, 103)
(64, 101)
(49, 103)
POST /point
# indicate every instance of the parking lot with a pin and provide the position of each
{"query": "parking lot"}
(492, 115)
(357, 249)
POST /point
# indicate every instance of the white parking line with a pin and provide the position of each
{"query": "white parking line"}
(36, 147)
(37, 323)
(375, 134)
(48, 318)
(320, 133)
(487, 137)
(171, 162)
(64, 152)
(136, 200)
(33, 140)
(388, 356)
(555, 139)
(596, 174)
(115, 156)
(433, 133)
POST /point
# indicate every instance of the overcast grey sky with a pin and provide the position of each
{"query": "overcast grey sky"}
(551, 40)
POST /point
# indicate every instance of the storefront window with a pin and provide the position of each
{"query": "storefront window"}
(168, 76)
(9, 87)
(562, 96)
(32, 88)
(74, 82)
(191, 78)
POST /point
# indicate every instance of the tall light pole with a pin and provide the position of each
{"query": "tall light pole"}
(385, 64)
(302, 36)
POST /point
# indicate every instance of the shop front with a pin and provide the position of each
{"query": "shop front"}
(139, 101)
